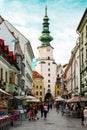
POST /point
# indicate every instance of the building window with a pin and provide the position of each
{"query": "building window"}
(36, 93)
(82, 58)
(40, 93)
(48, 85)
(86, 31)
(40, 87)
(86, 51)
(40, 99)
(82, 38)
(57, 92)
(37, 86)
(49, 90)
(1, 73)
(48, 81)
(57, 86)
(48, 58)
(48, 63)
(48, 74)
(48, 69)
(6, 76)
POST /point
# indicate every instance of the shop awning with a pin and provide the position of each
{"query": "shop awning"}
(77, 99)
(4, 92)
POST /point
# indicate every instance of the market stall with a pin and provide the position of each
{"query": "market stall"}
(75, 104)
(4, 117)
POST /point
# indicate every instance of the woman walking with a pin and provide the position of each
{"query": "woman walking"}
(45, 110)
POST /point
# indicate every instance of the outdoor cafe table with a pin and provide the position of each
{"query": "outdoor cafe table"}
(76, 114)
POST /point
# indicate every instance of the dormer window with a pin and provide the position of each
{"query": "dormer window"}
(48, 58)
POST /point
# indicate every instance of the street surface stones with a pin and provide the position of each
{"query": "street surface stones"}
(54, 121)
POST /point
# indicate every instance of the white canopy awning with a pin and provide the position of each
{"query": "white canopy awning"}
(4, 92)
(59, 98)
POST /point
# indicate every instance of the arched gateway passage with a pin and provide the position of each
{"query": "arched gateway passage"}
(48, 96)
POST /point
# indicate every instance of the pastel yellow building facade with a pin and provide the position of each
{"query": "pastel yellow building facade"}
(38, 86)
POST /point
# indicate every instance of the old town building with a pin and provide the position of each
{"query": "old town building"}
(82, 32)
(8, 69)
(58, 85)
(38, 86)
(21, 47)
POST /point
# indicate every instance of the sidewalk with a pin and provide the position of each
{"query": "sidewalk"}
(54, 121)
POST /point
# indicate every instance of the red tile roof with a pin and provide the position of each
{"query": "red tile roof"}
(1, 42)
(37, 75)
(14, 58)
(10, 53)
(6, 48)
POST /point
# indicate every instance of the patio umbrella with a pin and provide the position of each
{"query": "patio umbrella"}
(4, 94)
(59, 98)
(19, 97)
(28, 97)
(77, 99)
(33, 100)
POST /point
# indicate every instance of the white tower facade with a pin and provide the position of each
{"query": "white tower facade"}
(46, 65)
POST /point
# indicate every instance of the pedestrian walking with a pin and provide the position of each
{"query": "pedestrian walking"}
(57, 106)
(85, 115)
(42, 108)
(45, 110)
(82, 115)
(30, 112)
(61, 109)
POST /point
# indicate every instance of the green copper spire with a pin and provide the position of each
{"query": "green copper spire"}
(46, 11)
(45, 38)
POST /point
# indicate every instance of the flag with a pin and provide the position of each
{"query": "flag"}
(64, 76)
(65, 65)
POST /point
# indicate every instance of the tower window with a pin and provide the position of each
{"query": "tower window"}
(48, 69)
(48, 58)
(48, 63)
(49, 81)
(48, 74)
(49, 86)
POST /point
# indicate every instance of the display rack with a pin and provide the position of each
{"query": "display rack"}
(4, 117)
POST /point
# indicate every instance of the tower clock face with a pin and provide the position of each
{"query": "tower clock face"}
(48, 49)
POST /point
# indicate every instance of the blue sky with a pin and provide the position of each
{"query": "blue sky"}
(65, 15)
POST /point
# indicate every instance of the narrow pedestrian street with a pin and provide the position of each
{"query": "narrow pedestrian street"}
(54, 121)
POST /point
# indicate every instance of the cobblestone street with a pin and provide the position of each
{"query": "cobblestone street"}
(54, 121)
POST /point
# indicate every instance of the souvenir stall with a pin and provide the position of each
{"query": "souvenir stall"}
(15, 104)
(4, 117)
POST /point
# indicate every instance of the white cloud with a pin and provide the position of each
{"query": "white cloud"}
(27, 17)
